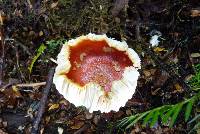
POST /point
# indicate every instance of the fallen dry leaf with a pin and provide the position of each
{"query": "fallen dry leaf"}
(64, 102)
(80, 117)
(77, 125)
(147, 73)
(195, 13)
(41, 33)
(54, 106)
(88, 115)
(2, 132)
(195, 55)
(158, 49)
(128, 112)
(53, 5)
(178, 88)
(47, 119)
(16, 91)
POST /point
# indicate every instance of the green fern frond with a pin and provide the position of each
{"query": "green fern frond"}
(51, 45)
(139, 117)
(155, 118)
(39, 52)
(177, 108)
(188, 109)
(148, 118)
(167, 114)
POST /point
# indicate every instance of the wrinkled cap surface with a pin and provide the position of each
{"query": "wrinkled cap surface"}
(97, 72)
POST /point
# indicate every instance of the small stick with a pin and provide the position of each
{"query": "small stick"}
(22, 85)
(137, 28)
(20, 74)
(43, 102)
(2, 50)
(31, 84)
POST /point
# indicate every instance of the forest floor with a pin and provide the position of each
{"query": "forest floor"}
(26, 26)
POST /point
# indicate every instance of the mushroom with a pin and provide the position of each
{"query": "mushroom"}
(87, 75)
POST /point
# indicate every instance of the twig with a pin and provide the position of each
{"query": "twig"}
(22, 85)
(137, 27)
(3, 51)
(43, 102)
(31, 84)
(19, 72)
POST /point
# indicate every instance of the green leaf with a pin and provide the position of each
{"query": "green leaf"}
(188, 109)
(147, 118)
(155, 118)
(177, 109)
(39, 52)
(126, 120)
(140, 116)
(122, 122)
(166, 117)
(164, 110)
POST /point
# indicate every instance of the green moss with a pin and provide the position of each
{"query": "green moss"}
(194, 82)
(80, 16)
